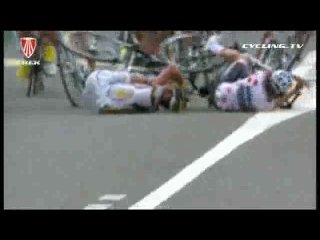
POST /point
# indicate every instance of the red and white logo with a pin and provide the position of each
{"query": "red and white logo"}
(28, 46)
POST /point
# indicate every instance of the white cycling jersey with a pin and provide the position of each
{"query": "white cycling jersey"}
(248, 93)
(113, 89)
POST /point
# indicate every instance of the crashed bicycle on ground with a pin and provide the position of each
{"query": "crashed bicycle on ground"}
(77, 58)
(210, 86)
(193, 64)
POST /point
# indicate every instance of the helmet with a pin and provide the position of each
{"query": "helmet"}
(281, 81)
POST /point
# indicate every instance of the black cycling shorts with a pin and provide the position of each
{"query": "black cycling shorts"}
(236, 71)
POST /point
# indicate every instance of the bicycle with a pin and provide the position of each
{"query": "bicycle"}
(74, 54)
(194, 60)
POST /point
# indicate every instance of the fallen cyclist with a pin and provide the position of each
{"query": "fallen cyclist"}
(124, 92)
(241, 89)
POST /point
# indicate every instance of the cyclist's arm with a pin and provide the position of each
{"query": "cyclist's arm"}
(230, 55)
(140, 80)
(170, 73)
(299, 84)
(266, 35)
(49, 37)
(149, 41)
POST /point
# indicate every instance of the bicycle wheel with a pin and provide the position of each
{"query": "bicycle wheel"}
(73, 80)
(98, 46)
(186, 51)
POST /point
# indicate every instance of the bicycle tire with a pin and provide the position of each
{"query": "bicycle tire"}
(30, 83)
(65, 82)
(64, 40)
(175, 43)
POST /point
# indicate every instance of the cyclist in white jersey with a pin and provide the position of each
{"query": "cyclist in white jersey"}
(119, 90)
(242, 90)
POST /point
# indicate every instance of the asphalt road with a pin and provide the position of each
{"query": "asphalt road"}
(59, 157)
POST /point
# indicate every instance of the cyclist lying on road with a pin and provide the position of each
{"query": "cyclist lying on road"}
(242, 90)
(119, 91)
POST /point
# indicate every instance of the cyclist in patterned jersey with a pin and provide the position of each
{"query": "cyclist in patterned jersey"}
(242, 90)
(121, 91)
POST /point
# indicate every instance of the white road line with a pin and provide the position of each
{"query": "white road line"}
(112, 197)
(256, 125)
(106, 197)
(12, 62)
(97, 206)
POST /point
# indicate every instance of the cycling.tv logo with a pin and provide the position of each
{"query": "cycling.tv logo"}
(281, 45)
(28, 47)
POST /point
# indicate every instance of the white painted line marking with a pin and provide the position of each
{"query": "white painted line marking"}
(249, 130)
(97, 206)
(106, 197)
(252, 128)
(112, 197)
(11, 62)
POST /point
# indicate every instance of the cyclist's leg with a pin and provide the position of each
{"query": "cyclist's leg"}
(150, 41)
(239, 67)
(85, 39)
(266, 38)
(94, 94)
(300, 36)
(48, 41)
(169, 74)
(237, 70)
